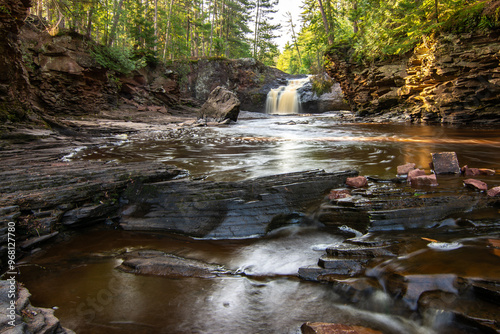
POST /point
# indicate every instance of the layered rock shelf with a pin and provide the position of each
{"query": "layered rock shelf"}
(226, 209)
(448, 79)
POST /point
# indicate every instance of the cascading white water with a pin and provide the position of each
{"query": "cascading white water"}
(285, 99)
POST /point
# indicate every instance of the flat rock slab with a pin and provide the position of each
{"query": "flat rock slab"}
(157, 263)
(222, 210)
(476, 184)
(329, 328)
(445, 163)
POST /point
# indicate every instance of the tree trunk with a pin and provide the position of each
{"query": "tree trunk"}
(39, 9)
(212, 30)
(294, 37)
(355, 21)
(167, 33)
(256, 34)
(116, 17)
(156, 26)
(325, 23)
(436, 10)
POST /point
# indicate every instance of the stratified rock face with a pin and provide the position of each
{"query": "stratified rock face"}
(451, 79)
(222, 210)
(66, 78)
(14, 83)
(221, 104)
(248, 78)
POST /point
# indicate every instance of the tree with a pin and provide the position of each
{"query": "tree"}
(264, 47)
(325, 22)
(289, 18)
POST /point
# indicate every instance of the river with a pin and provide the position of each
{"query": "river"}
(79, 278)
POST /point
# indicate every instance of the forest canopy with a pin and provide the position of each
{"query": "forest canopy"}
(133, 32)
(373, 29)
(168, 29)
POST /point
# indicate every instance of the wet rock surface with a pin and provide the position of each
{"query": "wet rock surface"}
(157, 263)
(445, 163)
(225, 209)
(22, 317)
(326, 328)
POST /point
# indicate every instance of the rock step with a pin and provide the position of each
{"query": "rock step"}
(486, 290)
(359, 252)
(347, 267)
(313, 272)
(224, 209)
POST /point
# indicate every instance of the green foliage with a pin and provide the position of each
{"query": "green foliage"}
(374, 29)
(157, 30)
(117, 59)
(321, 84)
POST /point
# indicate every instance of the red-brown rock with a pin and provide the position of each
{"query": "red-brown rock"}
(493, 192)
(424, 180)
(445, 163)
(357, 182)
(476, 184)
(414, 173)
(470, 171)
(336, 194)
(328, 328)
(488, 172)
(405, 169)
(477, 171)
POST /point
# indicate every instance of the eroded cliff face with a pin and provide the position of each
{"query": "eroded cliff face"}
(249, 79)
(67, 80)
(448, 79)
(14, 84)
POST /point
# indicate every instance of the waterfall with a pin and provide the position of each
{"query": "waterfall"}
(285, 99)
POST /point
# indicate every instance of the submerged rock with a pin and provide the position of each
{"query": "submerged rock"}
(222, 210)
(157, 263)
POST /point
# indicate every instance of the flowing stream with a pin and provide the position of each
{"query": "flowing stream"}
(79, 278)
(285, 99)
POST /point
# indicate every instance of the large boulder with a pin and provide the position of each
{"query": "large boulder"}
(221, 104)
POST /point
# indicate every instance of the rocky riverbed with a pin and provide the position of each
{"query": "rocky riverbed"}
(386, 223)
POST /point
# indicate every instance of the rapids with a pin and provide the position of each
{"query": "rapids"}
(79, 278)
(260, 145)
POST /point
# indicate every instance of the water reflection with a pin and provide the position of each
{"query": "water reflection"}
(279, 144)
(92, 297)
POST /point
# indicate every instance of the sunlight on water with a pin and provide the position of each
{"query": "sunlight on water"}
(269, 145)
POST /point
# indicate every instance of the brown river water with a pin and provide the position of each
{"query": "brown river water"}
(78, 276)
